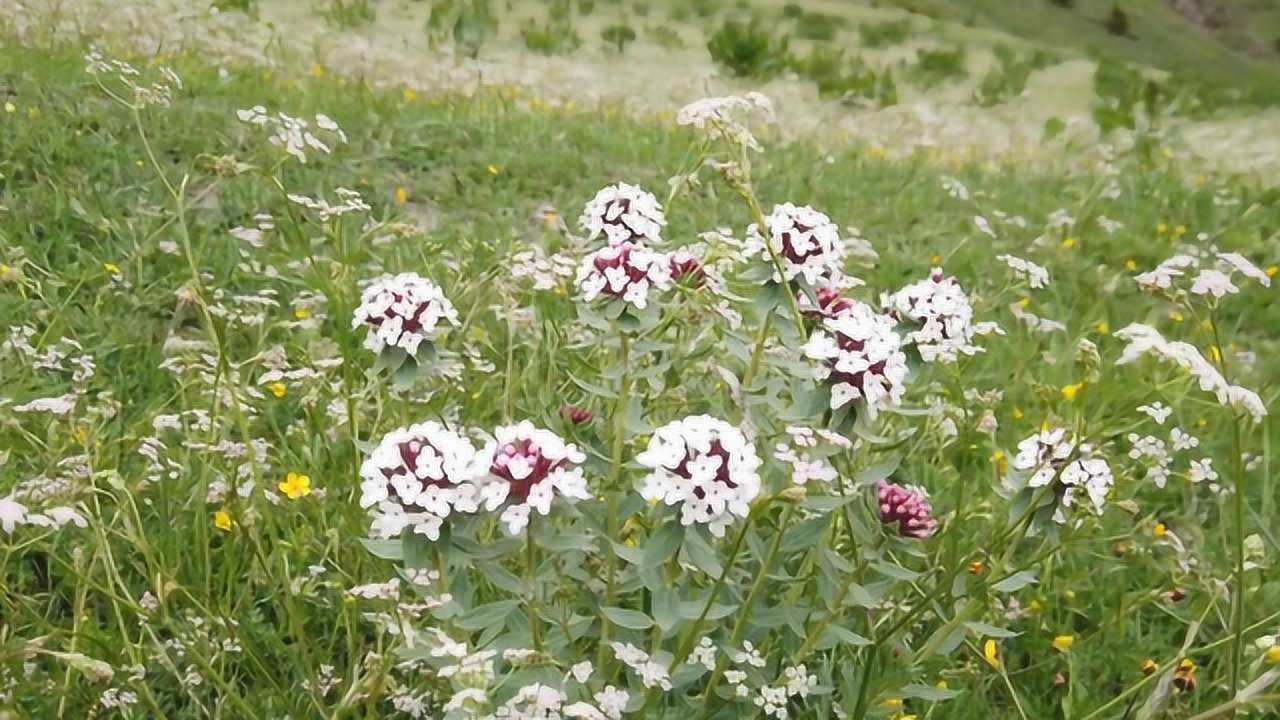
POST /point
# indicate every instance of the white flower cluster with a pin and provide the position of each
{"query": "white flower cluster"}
(624, 214)
(860, 356)
(529, 467)
(14, 513)
(1214, 280)
(806, 242)
(941, 309)
(806, 464)
(1037, 277)
(159, 93)
(1157, 456)
(652, 674)
(727, 117)
(627, 271)
(1048, 456)
(349, 201)
(1144, 339)
(403, 311)
(294, 134)
(417, 477)
(706, 466)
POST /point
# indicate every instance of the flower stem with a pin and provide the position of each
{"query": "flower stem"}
(753, 366)
(611, 489)
(744, 619)
(531, 573)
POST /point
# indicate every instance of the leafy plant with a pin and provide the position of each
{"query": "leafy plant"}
(747, 49)
(1008, 79)
(619, 36)
(936, 66)
(551, 38)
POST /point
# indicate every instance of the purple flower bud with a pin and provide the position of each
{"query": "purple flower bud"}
(906, 506)
(576, 415)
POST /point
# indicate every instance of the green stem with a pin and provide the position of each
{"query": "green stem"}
(531, 573)
(753, 366)
(1237, 469)
(744, 619)
(611, 489)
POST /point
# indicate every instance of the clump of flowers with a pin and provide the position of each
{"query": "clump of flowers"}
(294, 134)
(528, 468)
(626, 272)
(706, 466)
(1053, 458)
(417, 477)
(403, 311)
(939, 306)
(806, 242)
(727, 117)
(624, 214)
(908, 507)
(860, 356)
(1146, 340)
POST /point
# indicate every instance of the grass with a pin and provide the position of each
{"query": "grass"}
(84, 219)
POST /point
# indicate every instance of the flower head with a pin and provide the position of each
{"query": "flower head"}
(623, 214)
(529, 466)
(706, 466)
(830, 302)
(939, 306)
(417, 477)
(295, 485)
(907, 506)
(626, 271)
(861, 357)
(687, 268)
(806, 241)
(403, 311)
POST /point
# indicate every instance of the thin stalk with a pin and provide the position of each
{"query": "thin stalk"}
(753, 366)
(615, 477)
(744, 619)
(531, 573)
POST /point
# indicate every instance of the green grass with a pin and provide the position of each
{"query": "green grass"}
(1160, 37)
(78, 192)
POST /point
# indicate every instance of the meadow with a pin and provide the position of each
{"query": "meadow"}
(336, 394)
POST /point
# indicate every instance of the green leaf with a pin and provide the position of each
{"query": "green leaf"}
(592, 388)
(805, 535)
(1016, 581)
(488, 615)
(385, 549)
(895, 571)
(701, 554)
(982, 629)
(927, 692)
(661, 545)
(836, 635)
(630, 619)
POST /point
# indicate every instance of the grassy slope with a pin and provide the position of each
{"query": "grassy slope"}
(77, 195)
(1160, 37)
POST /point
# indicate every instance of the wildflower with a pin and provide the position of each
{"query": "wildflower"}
(1213, 282)
(402, 195)
(278, 389)
(623, 214)
(1273, 655)
(725, 117)
(806, 242)
(403, 311)
(295, 486)
(1144, 339)
(493, 169)
(222, 520)
(627, 271)
(1102, 328)
(687, 268)
(945, 318)
(976, 567)
(111, 268)
(417, 476)
(830, 302)
(1063, 643)
(861, 359)
(295, 134)
(1156, 411)
(1159, 530)
(652, 674)
(1036, 276)
(528, 468)
(705, 465)
(991, 653)
(1069, 392)
(1202, 470)
(409, 94)
(908, 507)
(1184, 677)
(12, 514)
(1149, 667)
(576, 415)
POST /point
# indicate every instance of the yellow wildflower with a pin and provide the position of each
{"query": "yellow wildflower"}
(1272, 270)
(493, 169)
(1162, 229)
(278, 389)
(1180, 231)
(410, 94)
(1160, 529)
(1149, 666)
(112, 268)
(222, 520)
(991, 653)
(302, 313)
(1069, 243)
(1273, 655)
(295, 485)
(1063, 643)
(1034, 606)
(10, 107)
(1069, 391)
(317, 70)
(976, 567)
(1103, 328)
(1130, 265)
(1176, 316)
(1017, 413)
(402, 196)
(935, 259)
(1000, 461)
